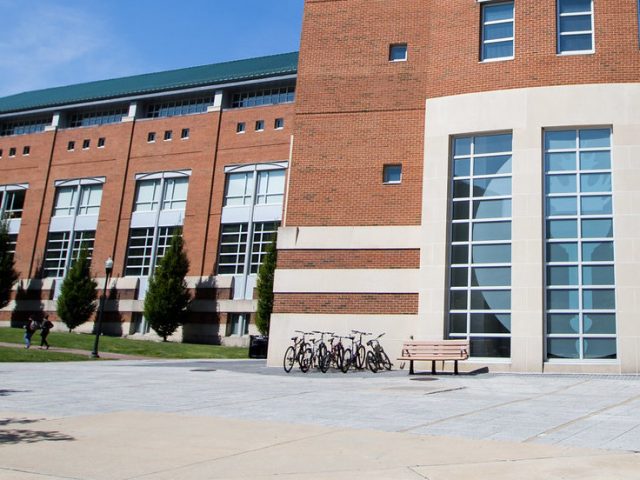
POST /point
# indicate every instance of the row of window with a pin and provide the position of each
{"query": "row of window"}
(26, 150)
(86, 144)
(579, 248)
(278, 124)
(168, 135)
(575, 30)
(266, 96)
(24, 127)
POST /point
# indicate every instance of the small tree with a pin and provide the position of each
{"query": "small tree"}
(78, 293)
(167, 299)
(8, 274)
(265, 289)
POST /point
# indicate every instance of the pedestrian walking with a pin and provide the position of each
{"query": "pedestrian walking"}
(44, 332)
(29, 329)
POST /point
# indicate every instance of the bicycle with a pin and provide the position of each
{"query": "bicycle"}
(298, 352)
(358, 350)
(337, 355)
(377, 359)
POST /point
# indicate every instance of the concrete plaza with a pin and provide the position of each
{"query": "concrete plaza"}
(239, 419)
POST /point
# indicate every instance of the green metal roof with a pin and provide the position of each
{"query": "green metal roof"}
(217, 73)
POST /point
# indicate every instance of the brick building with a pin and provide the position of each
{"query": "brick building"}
(118, 166)
(460, 169)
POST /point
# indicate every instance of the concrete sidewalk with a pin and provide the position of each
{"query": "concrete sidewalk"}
(161, 420)
(136, 445)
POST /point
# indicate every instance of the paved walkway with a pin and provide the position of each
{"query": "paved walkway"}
(241, 420)
(105, 355)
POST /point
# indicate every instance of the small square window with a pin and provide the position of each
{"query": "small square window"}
(279, 124)
(398, 52)
(151, 137)
(1, 153)
(259, 125)
(184, 134)
(392, 174)
(101, 142)
(86, 143)
(71, 146)
(168, 134)
(12, 152)
(240, 127)
(26, 150)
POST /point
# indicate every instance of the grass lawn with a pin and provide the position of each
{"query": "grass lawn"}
(9, 354)
(143, 348)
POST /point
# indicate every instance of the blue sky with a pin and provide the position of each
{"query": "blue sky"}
(47, 43)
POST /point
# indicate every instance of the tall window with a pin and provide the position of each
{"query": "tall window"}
(11, 202)
(157, 215)
(247, 233)
(580, 277)
(480, 249)
(575, 26)
(73, 224)
(497, 31)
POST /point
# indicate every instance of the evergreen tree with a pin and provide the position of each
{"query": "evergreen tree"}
(265, 289)
(8, 274)
(167, 299)
(78, 293)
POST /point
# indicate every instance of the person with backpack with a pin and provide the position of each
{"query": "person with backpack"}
(45, 328)
(30, 328)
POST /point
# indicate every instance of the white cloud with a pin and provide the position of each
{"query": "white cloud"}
(47, 45)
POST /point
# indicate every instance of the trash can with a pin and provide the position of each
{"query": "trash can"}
(258, 345)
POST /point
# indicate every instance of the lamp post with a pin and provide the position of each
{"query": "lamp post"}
(108, 267)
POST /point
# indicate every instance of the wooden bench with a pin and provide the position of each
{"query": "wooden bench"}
(434, 350)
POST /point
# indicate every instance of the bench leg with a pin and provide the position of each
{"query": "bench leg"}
(411, 372)
(455, 369)
(433, 367)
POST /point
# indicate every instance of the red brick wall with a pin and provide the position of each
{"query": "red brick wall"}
(348, 259)
(346, 303)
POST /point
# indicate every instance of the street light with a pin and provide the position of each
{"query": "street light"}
(108, 267)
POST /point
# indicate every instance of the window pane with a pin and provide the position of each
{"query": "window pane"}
(563, 323)
(561, 161)
(498, 31)
(458, 300)
(461, 210)
(575, 43)
(491, 187)
(492, 254)
(459, 277)
(490, 323)
(492, 209)
(461, 168)
(458, 323)
(597, 228)
(574, 6)
(600, 323)
(562, 299)
(461, 188)
(562, 252)
(460, 232)
(490, 347)
(598, 138)
(562, 276)
(596, 205)
(595, 182)
(562, 206)
(563, 348)
(459, 254)
(490, 300)
(599, 299)
(492, 165)
(560, 140)
(576, 23)
(595, 160)
(462, 146)
(498, 50)
(597, 252)
(501, 11)
(562, 229)
(493, 144)
(491, 231)
(491, 277)
(598, 275)
(601, 348)
(561, 184)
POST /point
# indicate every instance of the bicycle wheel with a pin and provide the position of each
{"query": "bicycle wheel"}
(339, 356)
(384, 360)
(360, 358)
(322, 350)
(372, 362)
(289, 359)
(325, 363)
(305, 360)
(346, 360)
